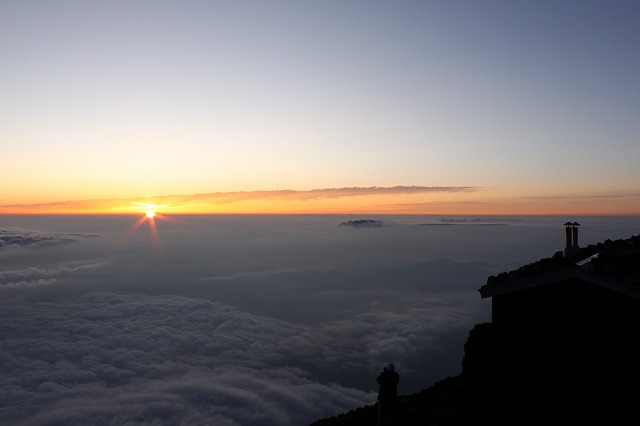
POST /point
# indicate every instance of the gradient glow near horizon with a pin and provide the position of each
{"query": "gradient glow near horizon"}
(304, 107)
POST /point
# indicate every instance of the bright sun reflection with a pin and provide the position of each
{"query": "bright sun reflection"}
(151, 213)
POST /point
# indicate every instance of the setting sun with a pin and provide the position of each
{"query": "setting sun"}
(151, 213)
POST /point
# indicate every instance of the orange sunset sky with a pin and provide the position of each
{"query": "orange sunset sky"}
(431, 107)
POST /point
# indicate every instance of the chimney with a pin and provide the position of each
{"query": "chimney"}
(571, 235)
(574, 237)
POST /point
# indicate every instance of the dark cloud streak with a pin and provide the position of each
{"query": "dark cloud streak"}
(26, 239)
(221, 198)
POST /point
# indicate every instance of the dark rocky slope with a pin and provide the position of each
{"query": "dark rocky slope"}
(520, 376)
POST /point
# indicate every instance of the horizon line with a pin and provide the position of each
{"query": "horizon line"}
(371, 200)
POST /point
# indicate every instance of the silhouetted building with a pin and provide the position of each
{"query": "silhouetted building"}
(562, 342)
(596, 285)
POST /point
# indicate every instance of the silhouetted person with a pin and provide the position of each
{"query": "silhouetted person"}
(387, 395)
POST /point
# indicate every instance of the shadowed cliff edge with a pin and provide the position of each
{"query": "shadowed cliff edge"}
(560, 347)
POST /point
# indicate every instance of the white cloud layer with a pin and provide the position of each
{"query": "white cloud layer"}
(134, 359)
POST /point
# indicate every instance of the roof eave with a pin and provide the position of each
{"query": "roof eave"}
(568, 272)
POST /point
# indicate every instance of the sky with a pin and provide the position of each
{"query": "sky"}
(444, 107)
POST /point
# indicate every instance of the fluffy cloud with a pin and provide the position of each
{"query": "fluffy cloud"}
(134, 359)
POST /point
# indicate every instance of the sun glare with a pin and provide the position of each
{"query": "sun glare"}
(150, 218)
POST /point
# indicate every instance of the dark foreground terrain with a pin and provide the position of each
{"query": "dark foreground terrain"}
(522, 377)
(562, 348)
(437, 405)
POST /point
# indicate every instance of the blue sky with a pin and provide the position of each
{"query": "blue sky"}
(521, 100)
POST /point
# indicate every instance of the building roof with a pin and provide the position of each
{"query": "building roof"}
(612, 264)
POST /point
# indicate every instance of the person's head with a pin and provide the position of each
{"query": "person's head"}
(391, 367)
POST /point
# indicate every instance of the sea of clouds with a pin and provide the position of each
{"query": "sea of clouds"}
(229, 321)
